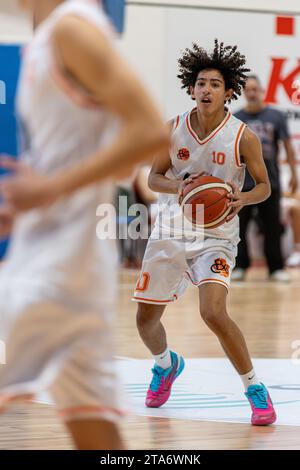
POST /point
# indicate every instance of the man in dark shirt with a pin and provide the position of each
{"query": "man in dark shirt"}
(271, 126)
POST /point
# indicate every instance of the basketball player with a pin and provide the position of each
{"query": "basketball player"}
(213, 141)
(85, 119)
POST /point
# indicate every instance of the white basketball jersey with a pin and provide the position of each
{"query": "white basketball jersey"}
(217, 155)
(61, 126)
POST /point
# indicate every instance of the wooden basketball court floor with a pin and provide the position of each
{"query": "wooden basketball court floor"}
(268, 314)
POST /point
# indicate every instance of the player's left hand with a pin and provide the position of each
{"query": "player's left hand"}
(237, 199)
(24, 189)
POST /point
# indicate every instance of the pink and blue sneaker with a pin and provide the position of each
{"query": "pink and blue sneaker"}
(162, 381)
(263, 412)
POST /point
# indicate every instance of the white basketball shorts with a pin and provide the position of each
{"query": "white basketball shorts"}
(170, 264)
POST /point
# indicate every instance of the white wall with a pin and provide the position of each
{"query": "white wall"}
(151, 32)
(13, 29)
(14, 26)
(287, 6)
(156, 36)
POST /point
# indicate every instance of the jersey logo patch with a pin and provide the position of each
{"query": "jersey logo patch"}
(220, 267)
(183, 154)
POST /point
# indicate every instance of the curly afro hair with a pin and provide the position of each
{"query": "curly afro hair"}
(227, 60)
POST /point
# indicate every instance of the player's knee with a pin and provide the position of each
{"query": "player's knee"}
(213, 315)
(145, 317)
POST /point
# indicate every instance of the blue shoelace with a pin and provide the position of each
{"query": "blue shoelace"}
(156, 380)
(259, 397)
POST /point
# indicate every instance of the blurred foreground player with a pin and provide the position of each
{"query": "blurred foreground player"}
(85, 119)
(215, 142)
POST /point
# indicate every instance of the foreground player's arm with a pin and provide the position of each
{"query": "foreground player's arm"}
(87, 56)
(251, 154)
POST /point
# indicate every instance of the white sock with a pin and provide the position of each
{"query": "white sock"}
(250, 379)
(163, 359)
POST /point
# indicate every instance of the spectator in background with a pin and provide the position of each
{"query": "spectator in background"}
(124, 199)
(271, 126)
(291, 213)
(144, 195)
(135, 190)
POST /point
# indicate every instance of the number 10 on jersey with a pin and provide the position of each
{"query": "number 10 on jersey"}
(218, 158)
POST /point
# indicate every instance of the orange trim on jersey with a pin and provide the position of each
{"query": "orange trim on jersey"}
(154, 300)
(79, 410)
(176, 123)
(212, 135)
(236, 145)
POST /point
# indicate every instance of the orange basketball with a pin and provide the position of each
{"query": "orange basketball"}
(205, 202)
